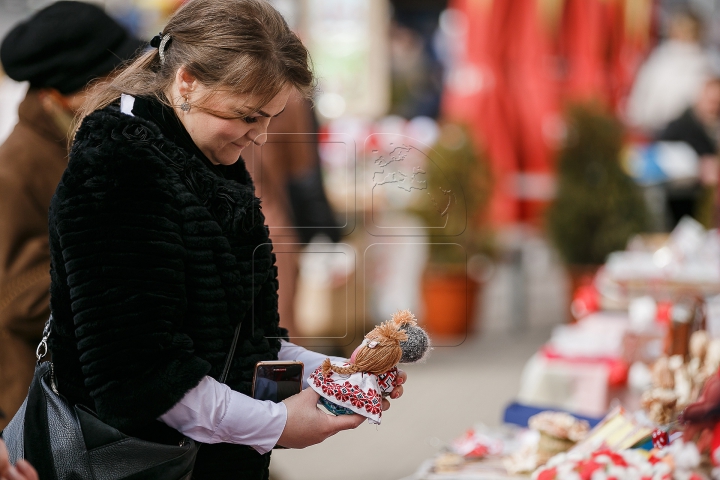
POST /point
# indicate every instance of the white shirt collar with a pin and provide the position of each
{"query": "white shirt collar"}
(126, 104)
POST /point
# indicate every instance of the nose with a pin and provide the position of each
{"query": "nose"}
(258, 134)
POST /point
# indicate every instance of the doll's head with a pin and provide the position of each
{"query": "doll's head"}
(398, 340)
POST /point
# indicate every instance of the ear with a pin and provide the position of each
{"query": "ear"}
(52, 101)
(185, 81)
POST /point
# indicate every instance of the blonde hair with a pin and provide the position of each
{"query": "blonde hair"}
(242, 46)
(386, 351)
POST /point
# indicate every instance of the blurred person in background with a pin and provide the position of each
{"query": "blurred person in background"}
(286, 170)
(671, 78)
(59, 51)
(698, 126)
(416, 77)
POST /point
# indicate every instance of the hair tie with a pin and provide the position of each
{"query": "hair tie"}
(160, 41)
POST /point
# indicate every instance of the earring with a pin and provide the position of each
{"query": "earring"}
(185, 106)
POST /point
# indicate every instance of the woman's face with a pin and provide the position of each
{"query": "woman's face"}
(220, 124)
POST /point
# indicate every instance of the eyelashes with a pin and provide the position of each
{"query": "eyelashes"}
(232, 116)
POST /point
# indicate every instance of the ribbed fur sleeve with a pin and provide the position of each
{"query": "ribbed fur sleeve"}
(155, 260)
(121, 261)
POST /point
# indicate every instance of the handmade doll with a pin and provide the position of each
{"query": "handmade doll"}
(359, 386)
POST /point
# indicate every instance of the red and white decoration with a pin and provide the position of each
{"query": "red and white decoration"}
(360, 392)
(675, 462)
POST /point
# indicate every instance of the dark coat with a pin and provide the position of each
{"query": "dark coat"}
(32, 159)
(155, 259)
(687, 199)
(689, 129)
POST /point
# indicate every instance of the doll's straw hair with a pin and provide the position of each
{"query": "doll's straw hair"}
(404, 318)
(385, 355)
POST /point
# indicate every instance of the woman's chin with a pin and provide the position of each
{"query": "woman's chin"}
(225, 160)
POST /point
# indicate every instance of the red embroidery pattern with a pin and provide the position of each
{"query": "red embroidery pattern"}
(374, 403)
(386, 380)
(370, 400)
(358, 400)
(343, 393)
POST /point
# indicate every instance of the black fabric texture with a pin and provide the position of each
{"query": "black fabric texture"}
(211, 463)
(311, 210)
(688, 128)
(165, 118)
(310, 207)
(683, 200)
(155, 258)
(65, 46)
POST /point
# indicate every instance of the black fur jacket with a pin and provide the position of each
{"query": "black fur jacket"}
(155, 259)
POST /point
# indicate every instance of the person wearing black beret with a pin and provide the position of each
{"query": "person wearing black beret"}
(59, 51)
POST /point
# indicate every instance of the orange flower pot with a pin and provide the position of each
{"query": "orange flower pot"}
(449, 300)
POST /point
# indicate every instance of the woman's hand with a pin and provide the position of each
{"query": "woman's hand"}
(397, 390)
(22, 471)
(306, 425)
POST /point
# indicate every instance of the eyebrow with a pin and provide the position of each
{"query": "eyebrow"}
(267, 115)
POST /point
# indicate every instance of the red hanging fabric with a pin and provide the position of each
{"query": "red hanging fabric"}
(531, 77)
(477, 95)
(517, 72)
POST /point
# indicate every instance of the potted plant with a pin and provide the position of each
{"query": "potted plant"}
(598, 207)
(458, 191)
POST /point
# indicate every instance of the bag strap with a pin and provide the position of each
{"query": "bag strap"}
(42, 349)
(231, 354)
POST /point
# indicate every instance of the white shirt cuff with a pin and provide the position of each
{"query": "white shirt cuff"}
(213, 413)
(311, 360)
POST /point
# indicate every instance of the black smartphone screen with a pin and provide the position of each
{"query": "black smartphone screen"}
(277, 382)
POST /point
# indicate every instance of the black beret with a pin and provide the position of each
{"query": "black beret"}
(66, 45)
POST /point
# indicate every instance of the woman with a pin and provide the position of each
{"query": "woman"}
(159, 247)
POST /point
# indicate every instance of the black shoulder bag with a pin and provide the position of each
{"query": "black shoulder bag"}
(65, 442)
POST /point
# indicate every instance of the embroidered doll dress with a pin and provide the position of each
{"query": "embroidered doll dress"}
(359, 392)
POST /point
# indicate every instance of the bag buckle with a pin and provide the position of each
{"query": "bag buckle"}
(42, 348)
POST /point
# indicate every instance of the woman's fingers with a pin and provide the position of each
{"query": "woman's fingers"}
(310, 396)
(396, 393)
(306, 425)
(4, 460)
(11, 474)
(346, 422)
(26, 470)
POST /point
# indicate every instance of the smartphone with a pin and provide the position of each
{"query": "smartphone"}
(277, 380)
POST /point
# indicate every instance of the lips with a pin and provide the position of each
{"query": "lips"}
(241, 146)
